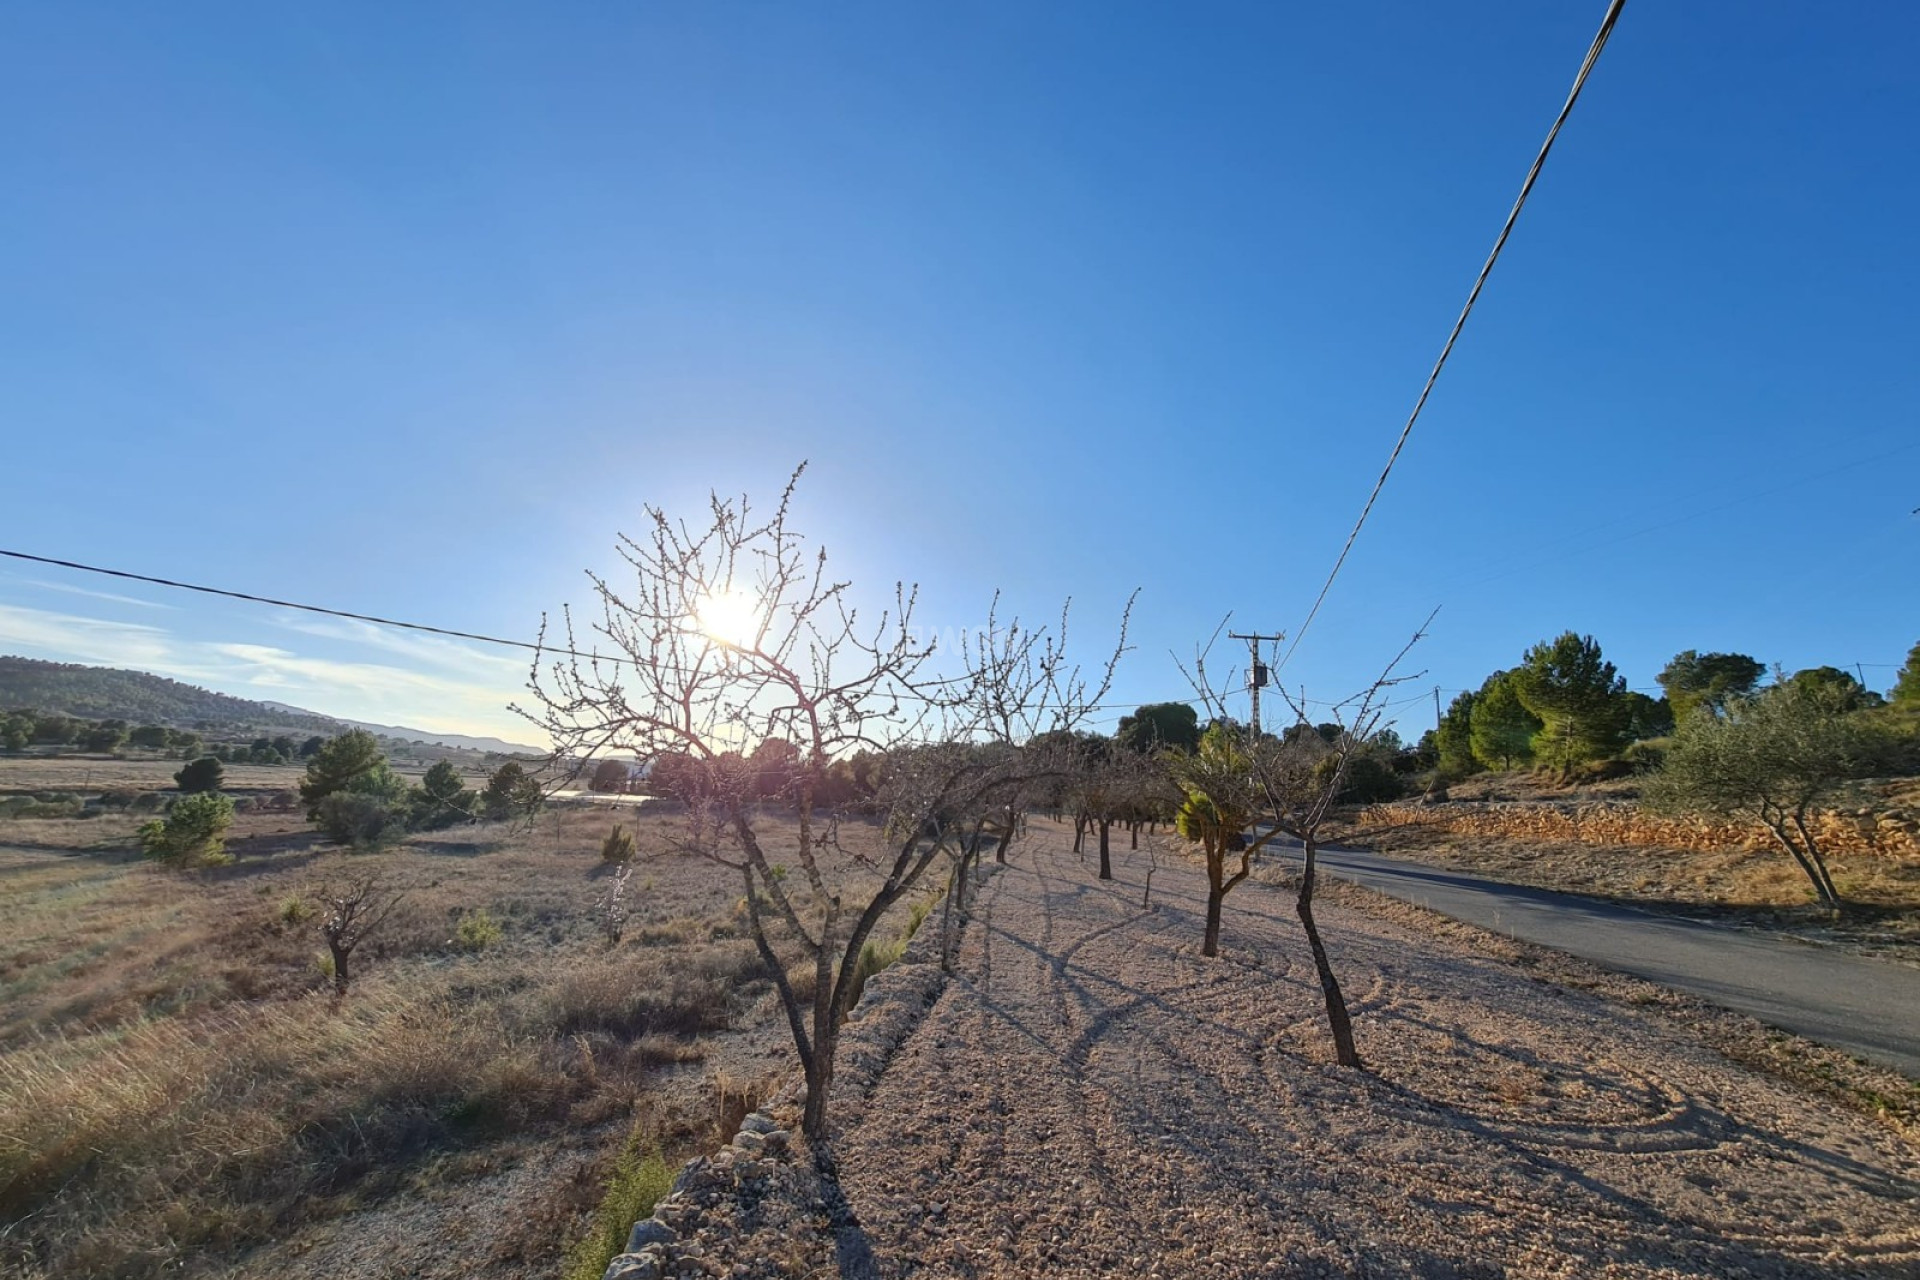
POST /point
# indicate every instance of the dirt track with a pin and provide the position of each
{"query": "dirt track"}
(1092, 1097)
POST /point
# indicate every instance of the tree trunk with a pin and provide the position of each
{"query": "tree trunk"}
(956, 905)
(1819, 862)
(1080, 834)
(339, 969)
(1133, 835)
(1816, 874)
(1106, 864)
(1342, 1025)
(819, 1073)
(1211, 946)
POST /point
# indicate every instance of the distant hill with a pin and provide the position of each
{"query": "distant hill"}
(139, 697)
(465, 741)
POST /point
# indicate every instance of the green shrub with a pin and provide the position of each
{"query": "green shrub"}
(204, 774)
(917, 915)
(193, 834)
(476, 931)
(359, 821)
(618, 846)
(441, 801)
(148, 802)
(1369, 780)
(636, 1185)
(118, 799)
(351, 763)
(511, 793)
(45, 805)
(1597, 771)
(874, 957)
(1646, 756)
(294, 909)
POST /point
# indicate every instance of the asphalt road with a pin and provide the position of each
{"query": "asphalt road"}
(1870, 1008)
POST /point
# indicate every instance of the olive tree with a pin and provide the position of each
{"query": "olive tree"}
(1771, 758)
(726, 634)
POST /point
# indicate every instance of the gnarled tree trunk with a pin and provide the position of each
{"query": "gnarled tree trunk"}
(1343, 1049)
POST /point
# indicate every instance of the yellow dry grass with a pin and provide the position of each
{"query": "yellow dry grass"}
(177, 1083)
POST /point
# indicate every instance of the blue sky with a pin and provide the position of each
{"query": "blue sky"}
(407, 309)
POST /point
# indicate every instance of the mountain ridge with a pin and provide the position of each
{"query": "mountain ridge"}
(99, 693)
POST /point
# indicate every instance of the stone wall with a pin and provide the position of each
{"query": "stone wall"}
(1890, 833)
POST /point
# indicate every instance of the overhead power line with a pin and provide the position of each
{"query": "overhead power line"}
(288, 604)
(548, 650)
(1513, 216)
(251, 598)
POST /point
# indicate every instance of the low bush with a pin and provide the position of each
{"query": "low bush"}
(360, 821)
(47, 808)
(1596, 771)
(204, 774)
(33, 807)
(193, 834)
(1646, 756)
(874, 957)
(1369, 780)
(638, 1181)
(651, 997)
(476, 931)
(618, 846)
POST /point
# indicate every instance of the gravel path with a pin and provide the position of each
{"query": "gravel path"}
(1092, 1097)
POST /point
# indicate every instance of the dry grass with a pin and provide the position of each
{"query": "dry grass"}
(103, 773)
(177, 1085)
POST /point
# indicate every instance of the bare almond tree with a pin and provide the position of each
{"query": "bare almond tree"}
(730, 635)
(1292, 784)
(355, 909)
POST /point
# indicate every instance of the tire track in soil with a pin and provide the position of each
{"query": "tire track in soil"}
(1090, 1096)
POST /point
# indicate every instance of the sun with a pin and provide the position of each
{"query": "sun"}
(732, 617)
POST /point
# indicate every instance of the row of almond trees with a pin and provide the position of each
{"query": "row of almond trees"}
(730, 633)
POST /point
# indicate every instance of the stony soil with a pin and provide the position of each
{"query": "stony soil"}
(1090, 1096)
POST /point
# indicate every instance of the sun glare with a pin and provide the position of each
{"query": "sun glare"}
(731, 617)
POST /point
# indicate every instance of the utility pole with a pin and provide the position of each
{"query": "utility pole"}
(1256, 675)
(1436, 711)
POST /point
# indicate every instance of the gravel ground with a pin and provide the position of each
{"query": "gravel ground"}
(1091, 1097)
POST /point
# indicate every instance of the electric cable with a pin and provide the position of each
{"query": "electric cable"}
(1513, 216)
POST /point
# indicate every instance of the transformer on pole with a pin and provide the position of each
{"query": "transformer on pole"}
(1257, 675)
